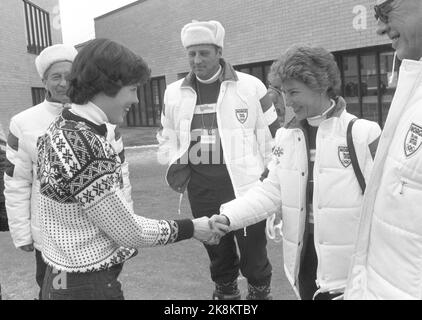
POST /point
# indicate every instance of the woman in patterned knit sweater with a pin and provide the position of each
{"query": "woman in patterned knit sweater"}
(88, 228)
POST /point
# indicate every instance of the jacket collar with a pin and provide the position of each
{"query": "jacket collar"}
(228, 74)
(54, 105)
(334, 113)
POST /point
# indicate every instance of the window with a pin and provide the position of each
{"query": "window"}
(365, 81)
(38, 32)
(151, 101)
(259, 70)
(38, 95)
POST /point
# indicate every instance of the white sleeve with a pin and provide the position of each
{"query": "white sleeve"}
(18, 180)
(256, 205)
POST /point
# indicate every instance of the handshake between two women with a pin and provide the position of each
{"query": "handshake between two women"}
(210, 230)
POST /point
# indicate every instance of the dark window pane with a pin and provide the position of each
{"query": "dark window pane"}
(387, 90)
(266, 72)
(38, 33)
(38, 95)
(258, 72)
(369, 87)
(151, 99)
(351, 84)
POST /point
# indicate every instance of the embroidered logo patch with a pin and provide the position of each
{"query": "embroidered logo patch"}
(278, 152)
(344, 156)
(242, 115)
(413, 140)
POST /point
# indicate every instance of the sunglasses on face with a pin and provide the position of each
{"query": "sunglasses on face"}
(382, 11)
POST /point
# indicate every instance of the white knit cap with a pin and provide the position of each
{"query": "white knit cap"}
(53, 54)
(203, 32)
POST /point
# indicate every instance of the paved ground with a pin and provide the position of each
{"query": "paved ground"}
(177, 272)
(139, 136)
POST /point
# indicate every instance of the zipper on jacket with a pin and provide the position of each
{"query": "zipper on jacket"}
(407, 184)
(299, 137)
(190, 137)
(316, 209)
(403, 183)
(223, 91)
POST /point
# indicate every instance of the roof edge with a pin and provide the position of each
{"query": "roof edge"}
(119, 9)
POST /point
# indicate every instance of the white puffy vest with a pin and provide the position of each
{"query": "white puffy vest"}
(336, 202)
(337, 196)
(388, 259)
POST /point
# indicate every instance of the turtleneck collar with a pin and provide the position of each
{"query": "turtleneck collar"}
(94, 114)
(55, 105)
(91, 112)
(227, 74)
(213, 79)
(317, 120)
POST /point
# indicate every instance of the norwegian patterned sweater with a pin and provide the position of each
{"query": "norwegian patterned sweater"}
(86, 222)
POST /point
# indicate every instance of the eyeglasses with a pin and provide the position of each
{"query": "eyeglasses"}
(382, 11)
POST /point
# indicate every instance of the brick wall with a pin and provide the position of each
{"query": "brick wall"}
(17, 66)
(256, 30)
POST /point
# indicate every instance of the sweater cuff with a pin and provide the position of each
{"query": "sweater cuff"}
(185, 229)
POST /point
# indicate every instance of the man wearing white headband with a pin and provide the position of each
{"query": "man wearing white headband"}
(21, 186)
(387, 262)
(218, 129)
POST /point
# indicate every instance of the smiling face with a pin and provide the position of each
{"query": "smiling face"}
(204, 60)
(117, 106)
(55, 81)
(404, 27)
(306, 103)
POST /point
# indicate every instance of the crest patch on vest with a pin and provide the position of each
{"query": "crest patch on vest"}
(344, 156)
(413, 140)
(242, 115)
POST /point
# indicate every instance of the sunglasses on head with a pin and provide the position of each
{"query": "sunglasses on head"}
(382, 10)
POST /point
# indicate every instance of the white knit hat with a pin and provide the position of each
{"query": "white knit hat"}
(53, 54)
(203, 32)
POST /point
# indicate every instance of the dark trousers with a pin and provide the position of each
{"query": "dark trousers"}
(308, 272)
(101, 285)
(40, 271)
(225, 262)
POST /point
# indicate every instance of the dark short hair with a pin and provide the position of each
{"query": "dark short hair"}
(104, 66)
(313, 66)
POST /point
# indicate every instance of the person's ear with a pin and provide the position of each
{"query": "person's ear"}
(220, 51)
(44, 82)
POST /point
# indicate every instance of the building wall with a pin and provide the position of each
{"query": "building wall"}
(17, 66)
(255, 30)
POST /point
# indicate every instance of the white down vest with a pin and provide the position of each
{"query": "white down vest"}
(336, 202)
(388, 259)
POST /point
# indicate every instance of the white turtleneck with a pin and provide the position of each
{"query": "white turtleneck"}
(93, 113)
(317, 120)
(213, 78)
